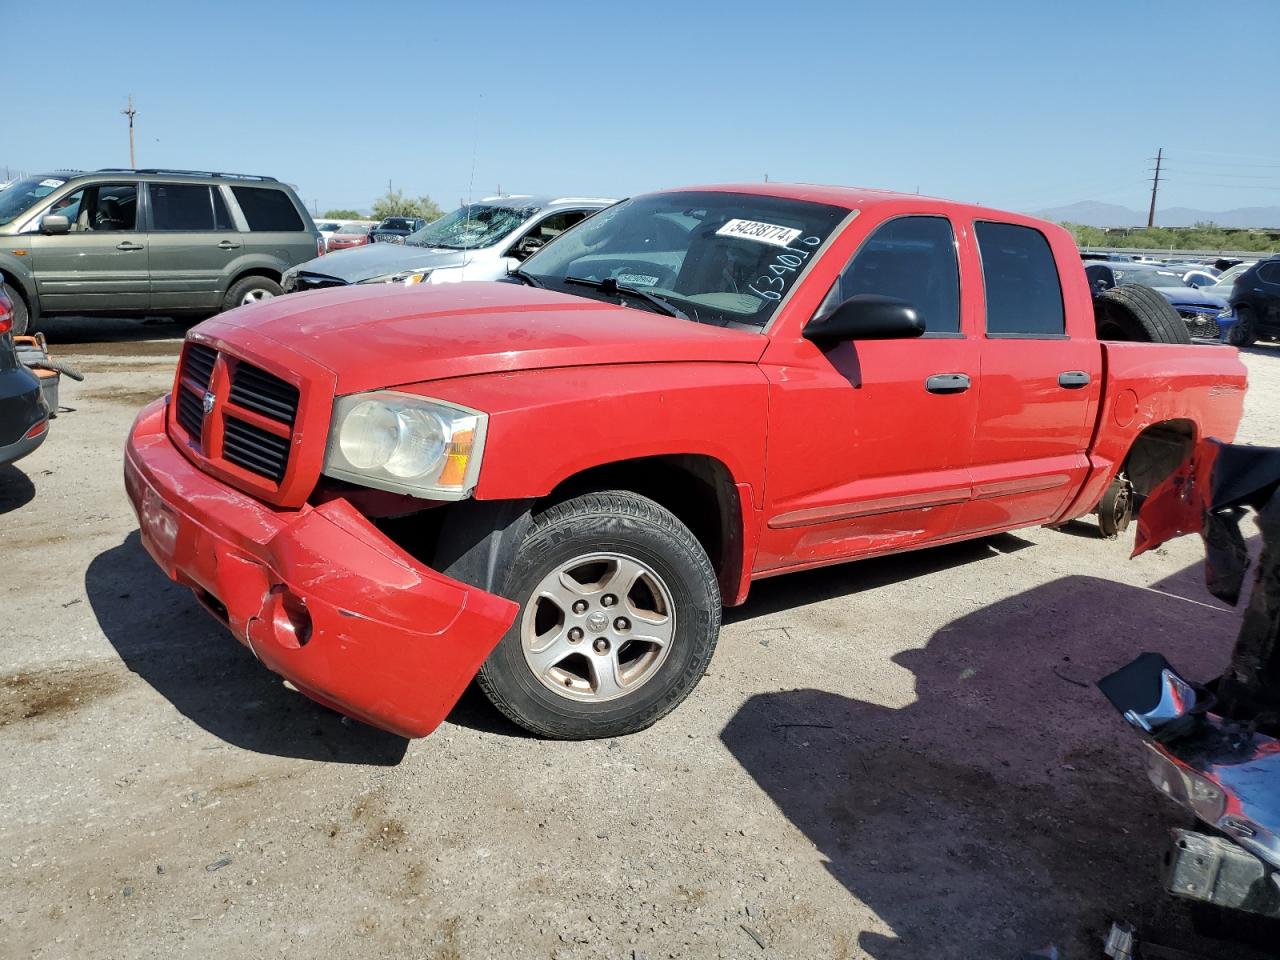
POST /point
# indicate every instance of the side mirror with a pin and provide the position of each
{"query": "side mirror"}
(54, 223)
(867, 316)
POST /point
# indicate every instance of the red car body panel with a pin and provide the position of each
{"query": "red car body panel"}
(318, 595)
(345, 241)
(827, 455)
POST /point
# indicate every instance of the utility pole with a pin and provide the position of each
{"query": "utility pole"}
(1155, 185)
(131, 113)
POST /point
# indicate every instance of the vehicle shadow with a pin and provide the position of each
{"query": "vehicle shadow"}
(16, 489)
(165, 637)
(102, 332)
(1006, 808)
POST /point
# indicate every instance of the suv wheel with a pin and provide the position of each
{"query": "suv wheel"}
(250, 290)
(619, 615)
(21, 318)
(1243, 333)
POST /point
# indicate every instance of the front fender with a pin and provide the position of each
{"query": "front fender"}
(546, 426)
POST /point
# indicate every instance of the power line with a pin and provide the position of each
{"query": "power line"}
(131, 113)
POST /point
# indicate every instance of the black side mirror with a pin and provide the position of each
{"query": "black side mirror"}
(54, 223)
(867, 316)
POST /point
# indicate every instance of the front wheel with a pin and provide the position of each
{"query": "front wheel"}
(1243, 333)
(21, 318)
(619, 615)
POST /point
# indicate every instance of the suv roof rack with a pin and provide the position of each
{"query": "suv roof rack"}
(189, 173)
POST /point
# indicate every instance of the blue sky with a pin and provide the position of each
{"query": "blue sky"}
(1013, 104)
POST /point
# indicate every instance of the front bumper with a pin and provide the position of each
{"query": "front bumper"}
(318, 594)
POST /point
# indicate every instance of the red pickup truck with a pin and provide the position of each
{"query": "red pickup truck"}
(554, 482)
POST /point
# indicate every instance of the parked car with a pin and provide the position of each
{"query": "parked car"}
(24, 415)
(1200, 278)
(1207, 316)
(138, 242)
(328, 228)
(480, 241)
(395, 229)
(552, 483)
(1255, 295)
(1111, 257)
(349, 235)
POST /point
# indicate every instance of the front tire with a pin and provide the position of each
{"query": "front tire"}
(619, 615)
(1244, 333)
(1115, 509)
(250, 290)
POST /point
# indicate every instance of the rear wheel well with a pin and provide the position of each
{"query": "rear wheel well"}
(1157, 452)
(697, 489)
(273, 275)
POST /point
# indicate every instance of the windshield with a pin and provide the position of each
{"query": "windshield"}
(1150, 278)
(1228, 280)
(21, 195)
(396, 223)
(718, 257)
(325, 225)
(354, 228)
(477, 225)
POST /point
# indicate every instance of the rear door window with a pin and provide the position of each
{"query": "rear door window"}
(1024, 295)
(266, 208)
(182, 206)
(1269, 273)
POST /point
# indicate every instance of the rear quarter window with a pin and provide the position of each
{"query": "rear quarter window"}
(266, 208)
(1024, 294)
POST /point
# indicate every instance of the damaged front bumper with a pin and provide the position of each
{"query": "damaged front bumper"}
(319, 595)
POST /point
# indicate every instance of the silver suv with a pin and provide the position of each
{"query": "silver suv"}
(135, 242)
(479, 241)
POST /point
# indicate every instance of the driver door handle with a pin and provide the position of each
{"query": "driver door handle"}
(1074, 379)
(228, 245)
(948, 383)
(128, 245)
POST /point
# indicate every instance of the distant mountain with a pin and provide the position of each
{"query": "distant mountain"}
(1094, 214)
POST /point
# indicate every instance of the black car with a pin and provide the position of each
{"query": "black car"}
(24, 416)
(395, 229)
(1256, 298)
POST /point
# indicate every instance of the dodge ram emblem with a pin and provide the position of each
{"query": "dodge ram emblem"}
(209, 401)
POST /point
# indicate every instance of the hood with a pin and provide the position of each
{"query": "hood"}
(389, 335)
(379, 259)
(1191, 297)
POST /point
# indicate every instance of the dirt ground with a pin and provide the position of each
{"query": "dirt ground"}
(902, 758)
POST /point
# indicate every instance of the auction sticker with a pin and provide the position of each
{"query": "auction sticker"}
(52, 183)
(769, 233)
(637, 279)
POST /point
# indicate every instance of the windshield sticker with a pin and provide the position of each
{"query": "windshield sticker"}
(769, 233)
(52, 183)
(637, 279)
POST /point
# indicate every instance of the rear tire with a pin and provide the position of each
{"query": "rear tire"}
(619, 615)
(21, 316)
(1245, 331)
(252, 289)
(1134, 313)
(1115, 509)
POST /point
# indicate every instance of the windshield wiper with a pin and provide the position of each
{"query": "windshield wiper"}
(614, 288)
(523, 277)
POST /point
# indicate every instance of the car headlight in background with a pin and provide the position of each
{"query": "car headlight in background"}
(289, 280)
(406, 278)
(1226, 314)
(405, 443)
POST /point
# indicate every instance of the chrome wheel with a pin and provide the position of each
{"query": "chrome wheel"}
(598, 627)
(255, 295)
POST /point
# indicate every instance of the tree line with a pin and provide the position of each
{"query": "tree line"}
(394, 203)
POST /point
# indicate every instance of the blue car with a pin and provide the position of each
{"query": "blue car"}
(1208, 316)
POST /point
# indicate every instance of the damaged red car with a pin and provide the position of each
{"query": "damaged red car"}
(553, 483)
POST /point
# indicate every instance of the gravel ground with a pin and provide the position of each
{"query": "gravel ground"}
(902, 758)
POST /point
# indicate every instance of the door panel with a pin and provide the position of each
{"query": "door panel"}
(102, 264)
(1032, 432)
(862, 458)
(1039, 386)
(192, 246)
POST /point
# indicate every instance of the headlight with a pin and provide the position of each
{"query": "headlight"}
(405, 278)
(289, 279)
(1185, 786)
(401, 442)
(1226, 314)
